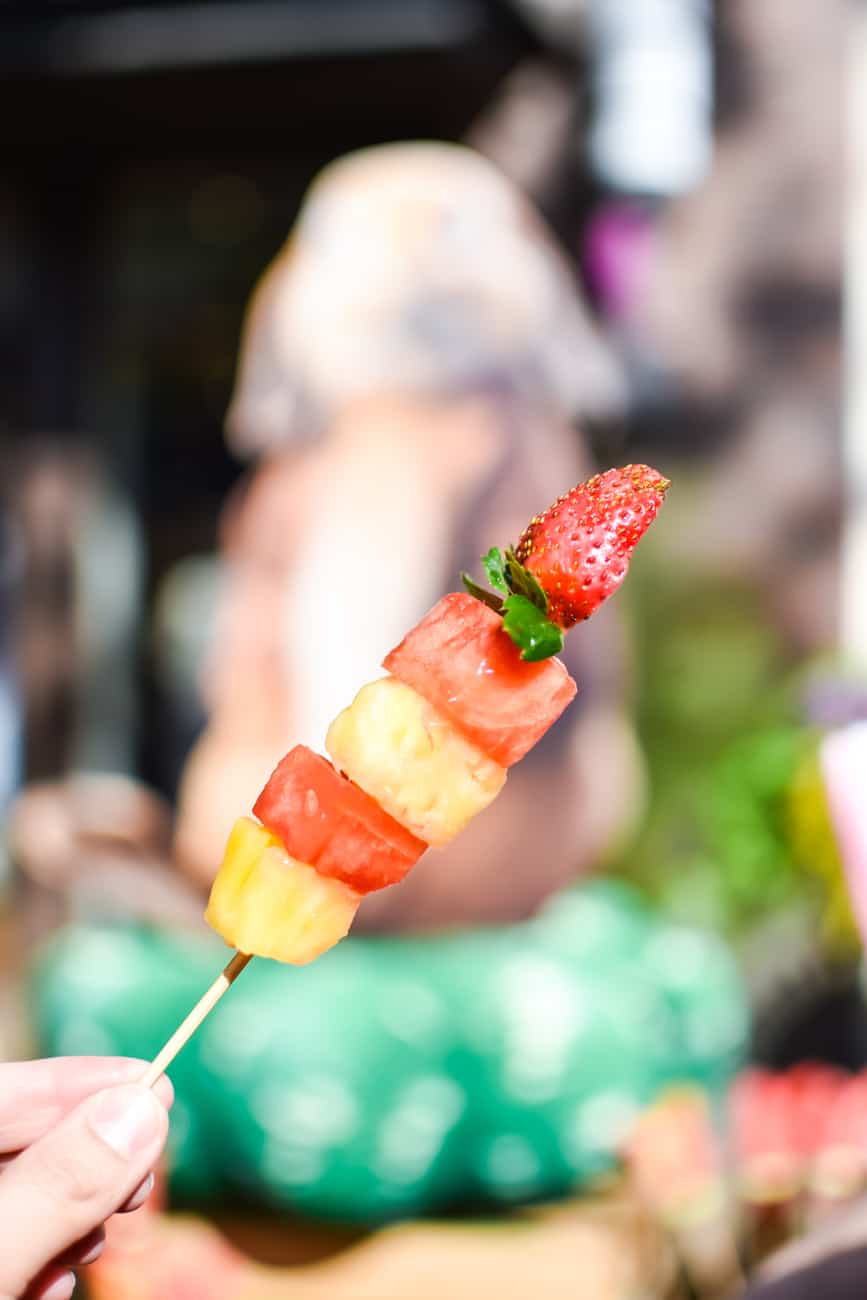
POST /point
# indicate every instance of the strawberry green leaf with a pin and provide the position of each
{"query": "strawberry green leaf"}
(535, 635)
(524, 583)
(486, 597)
(495, 567)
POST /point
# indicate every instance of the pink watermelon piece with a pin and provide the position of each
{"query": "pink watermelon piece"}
(327, 821)
(461, 661)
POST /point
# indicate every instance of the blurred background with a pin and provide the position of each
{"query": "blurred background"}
(634, 234)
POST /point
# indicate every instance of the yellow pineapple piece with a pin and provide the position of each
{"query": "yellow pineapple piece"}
(266, 903)
(422, 771)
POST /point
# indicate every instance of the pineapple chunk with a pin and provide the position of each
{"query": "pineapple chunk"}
(408, 757)
(265, 903)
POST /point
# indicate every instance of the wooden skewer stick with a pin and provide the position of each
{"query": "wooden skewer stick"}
(190, 1024)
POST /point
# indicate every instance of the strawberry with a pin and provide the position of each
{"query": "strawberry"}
(579, 549)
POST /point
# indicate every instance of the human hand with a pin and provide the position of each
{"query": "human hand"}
(78, 1138)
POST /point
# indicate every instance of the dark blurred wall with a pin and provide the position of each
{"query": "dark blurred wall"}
(156, 162)
(154, 158)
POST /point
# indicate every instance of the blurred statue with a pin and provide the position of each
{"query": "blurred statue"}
(411, 365)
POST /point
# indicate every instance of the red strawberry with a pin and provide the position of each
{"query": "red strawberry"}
(579, 549)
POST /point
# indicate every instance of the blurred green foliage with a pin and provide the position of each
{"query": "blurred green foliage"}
(736, 826)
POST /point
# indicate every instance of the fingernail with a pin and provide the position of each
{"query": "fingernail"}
(61, 1289)
(127, 1119)
(94, 1253)
(141, 1193)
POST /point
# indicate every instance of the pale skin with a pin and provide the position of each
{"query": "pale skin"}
(79, 1137)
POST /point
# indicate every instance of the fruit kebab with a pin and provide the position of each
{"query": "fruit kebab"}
(419, 752)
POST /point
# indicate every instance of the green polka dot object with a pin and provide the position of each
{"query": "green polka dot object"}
(401, 1076)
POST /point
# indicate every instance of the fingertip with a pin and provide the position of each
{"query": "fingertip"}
(135, 1069)
(164, 1089)
(94, 1253)
(139, 1196)
(132, 1069)
(60, 1287)
(88, 1250)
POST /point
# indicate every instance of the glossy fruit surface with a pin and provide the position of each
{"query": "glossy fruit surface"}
(411, 759)
(461, 661)
(579, 548)
(265, 903)
(323, 819)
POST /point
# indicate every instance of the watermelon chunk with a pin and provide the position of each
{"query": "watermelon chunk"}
(460, 659)
(326, 820)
